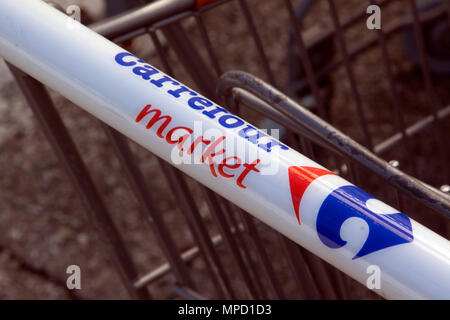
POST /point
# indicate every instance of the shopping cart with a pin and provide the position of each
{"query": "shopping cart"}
(239, 261)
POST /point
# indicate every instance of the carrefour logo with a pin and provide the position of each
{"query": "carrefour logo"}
(209, 110)
(386, 229)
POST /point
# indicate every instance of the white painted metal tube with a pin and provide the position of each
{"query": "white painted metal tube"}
(315, 208)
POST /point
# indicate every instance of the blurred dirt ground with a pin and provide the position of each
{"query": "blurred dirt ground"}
(44, 227)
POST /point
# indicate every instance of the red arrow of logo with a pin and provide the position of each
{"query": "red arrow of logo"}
(299, 179)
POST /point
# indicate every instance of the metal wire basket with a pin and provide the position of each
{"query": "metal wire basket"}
(246, 259)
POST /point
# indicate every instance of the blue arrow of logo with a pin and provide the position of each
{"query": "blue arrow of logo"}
(385, 230)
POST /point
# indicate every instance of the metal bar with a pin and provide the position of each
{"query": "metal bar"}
(320, 274)
(300, 269)
(40, 271)
(160, 52)
(141, 190)
(442, 143)
(335, 139)
(398, 195)
(351, 76)
(252, 266)
(164, 269)
(198, 230)
(186, 256)
(64, 147)
(262, 254)
(258, 42)
(307, 64)
(338, 280)
(264, 108)
(213, 264)
(412, 130)
(308, 67)
(354, 173)
(141, 17)
(393, 89)
(208, 45)
(389, 30)
(190, 58)
(218, 215)
(233, 101)
(177, 18)
(312, 263)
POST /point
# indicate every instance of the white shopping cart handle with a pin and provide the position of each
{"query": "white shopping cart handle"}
(309, 204)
